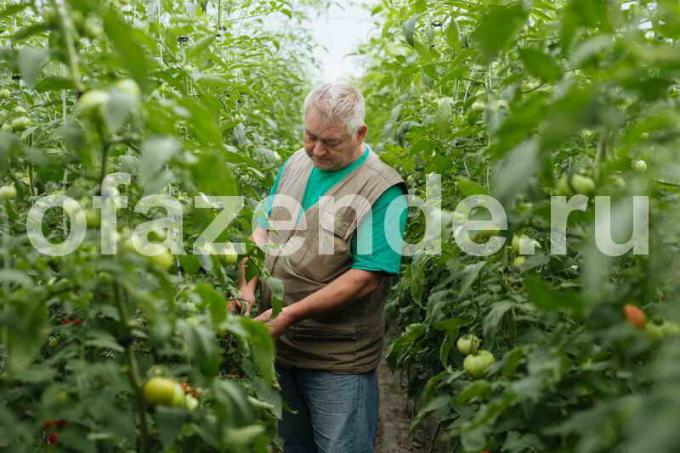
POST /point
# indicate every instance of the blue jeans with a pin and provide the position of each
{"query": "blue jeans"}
(335, 413)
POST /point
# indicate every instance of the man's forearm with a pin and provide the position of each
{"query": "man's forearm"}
(345, 289)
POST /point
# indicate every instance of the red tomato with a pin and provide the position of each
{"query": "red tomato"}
(635, 316)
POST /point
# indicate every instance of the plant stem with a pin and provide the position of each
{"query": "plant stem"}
(133, 368)
(66, 29)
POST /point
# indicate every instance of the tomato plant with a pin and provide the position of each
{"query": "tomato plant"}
(523, 101)
(190, 99)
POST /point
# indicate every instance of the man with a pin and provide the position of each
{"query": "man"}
(329, 335)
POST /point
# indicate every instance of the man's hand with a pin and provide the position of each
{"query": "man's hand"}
(278, 325)
(237, 305)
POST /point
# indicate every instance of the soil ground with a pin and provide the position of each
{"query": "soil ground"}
(393, 419)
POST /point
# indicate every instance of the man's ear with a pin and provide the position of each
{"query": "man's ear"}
(361, 133)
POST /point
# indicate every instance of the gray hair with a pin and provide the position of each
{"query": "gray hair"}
(337, 102)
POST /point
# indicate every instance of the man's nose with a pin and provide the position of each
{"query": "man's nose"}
(319, 149)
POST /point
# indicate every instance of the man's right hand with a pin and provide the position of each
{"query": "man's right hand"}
(243, 305)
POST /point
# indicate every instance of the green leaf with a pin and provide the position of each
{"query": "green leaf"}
(30, 61)
(497, 27)
(409, 30)
(216, 303)
(541, 295)
(262, 347)
(453, 34)
(468, 188)
(126, 42)
(213, 176)
(156, 153)
(478, 389)
(52, 83)
(118, 109)
(540, 64)
(275, 286)
(470, 274)
(202, 348)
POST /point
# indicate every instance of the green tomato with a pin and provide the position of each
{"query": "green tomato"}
(468, 344)
(229, 257)
(617, 181)
(20, 123)
(581, 184)
(160, 391)
(518, 262)
(92, 218)
(639, 166)
(8, 192)
(19, 110)
(670, 329)
(91, 28)
(179, 397)
(128, 86)
(445, 110)
(520, 241)
(654, 331)
(478, 106)
(163, 261)
(5, 93)
(190, 403)
(476, 365)
(93, 101)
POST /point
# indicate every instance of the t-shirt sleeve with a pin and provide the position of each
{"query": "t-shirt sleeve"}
(266, 208)
(378, 243)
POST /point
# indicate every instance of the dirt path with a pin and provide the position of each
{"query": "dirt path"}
(393, 421)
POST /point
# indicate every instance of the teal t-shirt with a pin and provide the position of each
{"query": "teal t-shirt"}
(385, 231)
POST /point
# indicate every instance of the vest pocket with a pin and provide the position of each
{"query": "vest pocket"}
(326, 252)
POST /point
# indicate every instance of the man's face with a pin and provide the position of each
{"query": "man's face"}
(331, 146)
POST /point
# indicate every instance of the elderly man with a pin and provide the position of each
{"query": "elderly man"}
(330, 333)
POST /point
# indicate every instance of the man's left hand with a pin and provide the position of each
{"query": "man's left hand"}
(278, 325)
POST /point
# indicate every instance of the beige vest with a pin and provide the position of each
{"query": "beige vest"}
(349, 339)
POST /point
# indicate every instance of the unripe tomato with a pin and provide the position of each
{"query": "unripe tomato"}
(163, 261)
(478, 106)
(8, 192)
(581, 184)
(671, 328)
(20, 123)
(521, 241)
(229, 256)
(5, 93)
(190, 403)
(91, 28)
(476, 365)
(639, 166)
(93, 101)
(128, 86)
(160, 391)
(19, 110)
(518, 262)
(445, 109)
(617, 181)
(654, 331)
(179, 397)
(635, 316)
(92, 218)
(468, 344)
